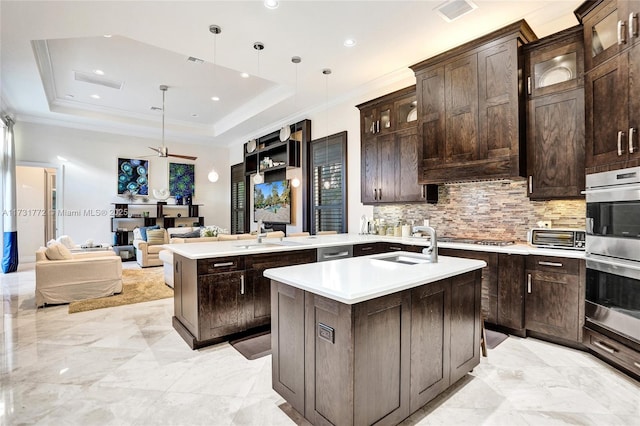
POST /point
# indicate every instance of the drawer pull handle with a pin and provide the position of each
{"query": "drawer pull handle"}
(333, 255)
(375, 193)
(554, 264)
(605, 347)
(529, 283)
(622, 35)
(632, 148)
(366, 248)
(620, 136)
(530, 184)
(220, 265)
(633, 25)
(636, 364)
(395, 248)
(241, 284)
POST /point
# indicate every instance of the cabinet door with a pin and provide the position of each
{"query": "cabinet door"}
(606, 123)
(221, 304)
(552, 303)
(408, 188)
(406, 112)
(511, 291)
(465, 324)
(556, 67)
(604, 32)
(431, 118)
(368, 122)
(633, 138)
(461, 110)
(556, 145)
(369, 173)
(430, 341)
(386, 168)
(498, 134)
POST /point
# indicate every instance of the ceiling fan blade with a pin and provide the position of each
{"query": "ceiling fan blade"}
(156, 150)
(186, 157)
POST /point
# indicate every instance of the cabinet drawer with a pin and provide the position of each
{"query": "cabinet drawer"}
(275, 260)
(220, 264)
(367, 249)
(561, 265)
(612, 350)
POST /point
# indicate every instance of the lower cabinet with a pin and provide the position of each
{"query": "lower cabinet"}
(217, 298)
(613, 351)
(554, 300)
(378, 361)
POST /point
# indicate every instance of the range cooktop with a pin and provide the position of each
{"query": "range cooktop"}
(474, 241)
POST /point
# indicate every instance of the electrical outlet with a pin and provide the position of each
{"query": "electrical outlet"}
(545, 223)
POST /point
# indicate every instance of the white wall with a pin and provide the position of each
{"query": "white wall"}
(90, 175)
(30, 195)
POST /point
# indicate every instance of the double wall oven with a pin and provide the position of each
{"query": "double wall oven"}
(613, 252)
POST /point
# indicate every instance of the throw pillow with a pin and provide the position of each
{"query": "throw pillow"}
(155, 236)
(211, 231)
(144, 229)
(57, 251)
(137, 235)
(192, 234)
(66, 241)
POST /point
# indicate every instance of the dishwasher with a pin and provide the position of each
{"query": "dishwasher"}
(333, 253)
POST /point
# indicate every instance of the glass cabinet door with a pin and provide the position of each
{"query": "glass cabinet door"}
(605, 33)
(369, 122)
(406, 112)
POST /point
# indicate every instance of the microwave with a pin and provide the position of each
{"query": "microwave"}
(557, 238)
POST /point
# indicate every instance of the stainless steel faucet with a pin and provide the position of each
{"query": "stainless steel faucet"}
(432, 250)
(261, 235)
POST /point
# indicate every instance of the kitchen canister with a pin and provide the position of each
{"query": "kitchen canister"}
(406, 230)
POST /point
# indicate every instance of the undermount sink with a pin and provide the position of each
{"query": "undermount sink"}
(404, 259)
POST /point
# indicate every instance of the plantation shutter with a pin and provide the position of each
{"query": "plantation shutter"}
(329, 184)
(238, 199)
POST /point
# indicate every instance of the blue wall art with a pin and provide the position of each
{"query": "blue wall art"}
(133, 176)
(182, 179)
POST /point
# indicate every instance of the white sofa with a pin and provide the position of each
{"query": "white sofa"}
(148, 254)
(166, 256)
(83, 276)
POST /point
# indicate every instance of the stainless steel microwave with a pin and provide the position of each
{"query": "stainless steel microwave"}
(557, 238)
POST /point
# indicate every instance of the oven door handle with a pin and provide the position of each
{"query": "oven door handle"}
(622, 192)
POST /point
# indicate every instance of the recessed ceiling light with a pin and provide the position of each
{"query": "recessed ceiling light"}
(95, 96)
(349, 42)
(244, 75)
(98, 72)
(215, 98)
(271, 4)
(107, 36)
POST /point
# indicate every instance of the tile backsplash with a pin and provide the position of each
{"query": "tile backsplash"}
(498, 210)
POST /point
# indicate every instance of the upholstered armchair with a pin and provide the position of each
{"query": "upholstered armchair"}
(67, 277)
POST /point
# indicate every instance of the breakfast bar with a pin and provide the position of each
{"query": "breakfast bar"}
(372, 339)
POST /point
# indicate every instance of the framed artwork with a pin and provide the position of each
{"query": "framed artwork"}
(133, 176)
(182, 179)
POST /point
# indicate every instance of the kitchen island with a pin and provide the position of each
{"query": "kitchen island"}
(370, 340)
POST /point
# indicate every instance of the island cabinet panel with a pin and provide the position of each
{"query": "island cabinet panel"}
(257, 306)
(381, 346)
(554, 303)
(377, 361)
(287, 346)
(185, 290)
(220, 310)
(430, 340)
(464, 324)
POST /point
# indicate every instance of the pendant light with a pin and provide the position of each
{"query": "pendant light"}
(213, 175)
(258, 178)
(295, 182)
(327, 71)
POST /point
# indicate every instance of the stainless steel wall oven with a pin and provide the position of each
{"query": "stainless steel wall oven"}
(613, 252)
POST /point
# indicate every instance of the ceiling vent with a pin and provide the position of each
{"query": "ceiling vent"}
(96, 79)
(452, 10)
(195, 60)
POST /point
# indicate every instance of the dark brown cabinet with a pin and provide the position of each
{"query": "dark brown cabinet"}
(219, 297)
(554, 299)
(612, 62)
(377, 361)
(469, 109)
(389, 149)
(555, 129)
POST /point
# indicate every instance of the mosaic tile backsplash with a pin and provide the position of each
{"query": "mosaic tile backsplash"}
(496, 210)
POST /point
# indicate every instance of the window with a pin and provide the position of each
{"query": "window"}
(238, 200)
(329, 183)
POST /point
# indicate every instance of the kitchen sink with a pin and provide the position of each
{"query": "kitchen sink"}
(404, 259)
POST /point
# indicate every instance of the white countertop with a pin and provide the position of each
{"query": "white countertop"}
(359, 279)
(237, 247)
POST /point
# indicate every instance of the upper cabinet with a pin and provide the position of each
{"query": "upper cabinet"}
(470, 109)
(389, 149)
(611, 101)
(609, 28)
(555, 112)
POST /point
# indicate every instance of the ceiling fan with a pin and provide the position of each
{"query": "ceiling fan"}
(163, 151)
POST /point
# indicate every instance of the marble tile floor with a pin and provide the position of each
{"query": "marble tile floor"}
(127, 366)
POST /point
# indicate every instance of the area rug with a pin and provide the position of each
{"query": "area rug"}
(494, 338)
(138, 285)
(253, 347)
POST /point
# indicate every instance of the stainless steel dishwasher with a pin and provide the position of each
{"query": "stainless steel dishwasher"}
(333, 253)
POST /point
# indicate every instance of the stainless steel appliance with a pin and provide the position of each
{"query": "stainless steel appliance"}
(613, 252)
(573, 239)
